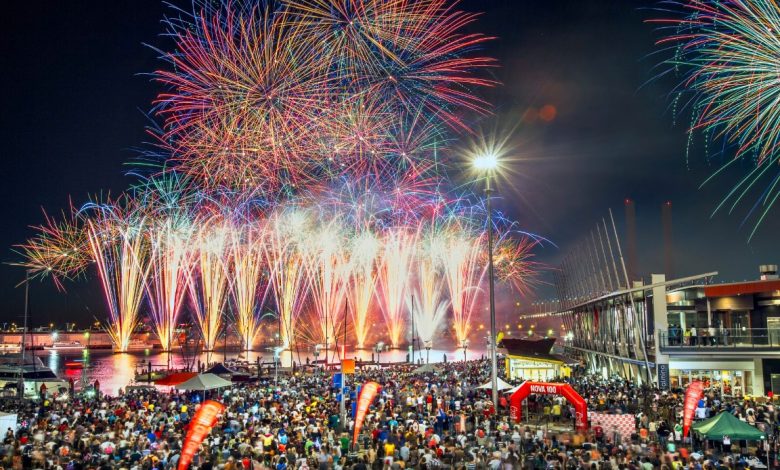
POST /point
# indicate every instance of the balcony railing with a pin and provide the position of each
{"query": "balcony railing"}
(723, 339)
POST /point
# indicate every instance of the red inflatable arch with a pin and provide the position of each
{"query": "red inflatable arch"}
(543, 388)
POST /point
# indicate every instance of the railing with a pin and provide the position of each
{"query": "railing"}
(722, 339)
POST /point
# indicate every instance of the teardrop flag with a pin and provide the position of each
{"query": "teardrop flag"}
(367, 394)
(200, 426)
(692, 396)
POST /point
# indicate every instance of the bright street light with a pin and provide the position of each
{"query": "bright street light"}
(486, 162)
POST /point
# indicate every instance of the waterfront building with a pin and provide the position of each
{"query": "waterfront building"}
(672, 332)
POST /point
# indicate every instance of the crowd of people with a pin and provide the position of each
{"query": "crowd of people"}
(434, 418)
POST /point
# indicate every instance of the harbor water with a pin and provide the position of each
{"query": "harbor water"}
(115, 371)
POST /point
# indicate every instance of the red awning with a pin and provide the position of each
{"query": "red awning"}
(176, 378)
(737, 288)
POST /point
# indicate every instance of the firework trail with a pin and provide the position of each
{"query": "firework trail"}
(729, 53)
(246, 254)
(460, 258)
(364, 252)
(327, 267)
(208, 281)
(424, 298)
(398, 250)
(171, 257)
(287, 270)
(121, 255)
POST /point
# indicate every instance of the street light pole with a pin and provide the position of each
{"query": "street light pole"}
(493, 352)
(488, 163)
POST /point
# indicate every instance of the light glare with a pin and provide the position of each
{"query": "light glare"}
(486, 162)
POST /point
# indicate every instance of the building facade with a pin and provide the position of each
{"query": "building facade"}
(673, 332)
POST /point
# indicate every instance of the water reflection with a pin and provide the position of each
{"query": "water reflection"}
(115, 371)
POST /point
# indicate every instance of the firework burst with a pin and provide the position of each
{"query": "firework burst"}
(120, 252)
(396, 262)
(244, 93)
(424, 298)
(364, 252)
(208, 281)
(60, 248)
(246, 254)
(461, 259)
(287, 269)
(729, 53)
(327, 266)
(170, 261)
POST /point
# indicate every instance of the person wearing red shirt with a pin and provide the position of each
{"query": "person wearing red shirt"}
(599, 432)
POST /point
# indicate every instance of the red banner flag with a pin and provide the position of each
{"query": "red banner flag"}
(201, 425)
(367, 394)
(692, 396)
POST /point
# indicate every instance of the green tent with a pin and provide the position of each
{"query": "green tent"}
(726, 424)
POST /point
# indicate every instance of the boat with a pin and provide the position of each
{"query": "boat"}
(146, 377)
(64, 346)
(10, 348)
(532, 345)
(233, 375)
(137, 345)
(32, 371)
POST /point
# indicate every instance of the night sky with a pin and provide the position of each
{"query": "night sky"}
(75, 93)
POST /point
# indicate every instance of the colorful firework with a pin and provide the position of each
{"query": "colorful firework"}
(729, 53)
(120, 251)
(287, 270)
(327, 266)
(398, 250)
(424, 298)
(208, 281)
(461, 258)
(58, 250)
(512, 255)
(364, 252)
(244, 92)
(305, 154)
(246, 254)
(170, 261)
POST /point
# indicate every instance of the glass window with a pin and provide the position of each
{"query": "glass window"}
(726, 382)
(736, 383)
(674, 379)
(675, 318)
(737, 388)
(685, 378)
